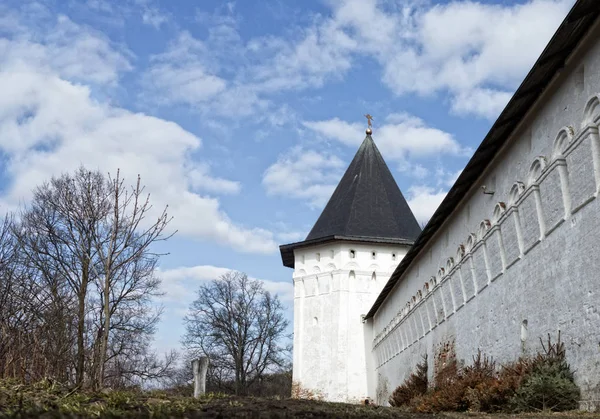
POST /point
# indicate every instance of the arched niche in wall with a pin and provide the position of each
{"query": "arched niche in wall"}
(351, 275)
(499, 209)
(351, 266)
(562, 141)
(515, 192)
(535, 170)
(331, 267)
(484, 226)
(316, 269)
(449, 264)
(471, 240)
(591, 113)
(460, 252)
(373, 267)
(300, 272)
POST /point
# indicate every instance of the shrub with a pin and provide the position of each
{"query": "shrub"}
(459, 389)
(300, 392)
(544, 382)
(493, 394)
(550, 385)
(415, 385)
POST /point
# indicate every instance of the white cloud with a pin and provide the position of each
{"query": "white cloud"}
(402, 137)
(188, 73)
(423, 201)
(179, 284)
(63, 47)
(417, 170)
(304, 174)
(154, 17)
(201, 179)
(49, 125)
(419, 48)
(320, 53)
(180, 75)
(480, 101)
(454, 48)
(286, 233)
(342, 131)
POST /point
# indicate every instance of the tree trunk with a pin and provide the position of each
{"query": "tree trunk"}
(81, 325)
(104, 344)
(80, 343)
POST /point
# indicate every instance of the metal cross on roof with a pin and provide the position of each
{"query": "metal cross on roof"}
(369, 119)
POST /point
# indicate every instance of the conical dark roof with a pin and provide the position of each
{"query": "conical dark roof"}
(367, 202)
(367, 205)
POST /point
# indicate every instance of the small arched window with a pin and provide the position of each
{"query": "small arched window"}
(373, 276)
(393, 256)
(352, 254)
(318, 257)
(373, 255)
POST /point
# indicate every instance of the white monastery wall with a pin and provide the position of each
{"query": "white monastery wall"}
(332, 291)
(509, 268)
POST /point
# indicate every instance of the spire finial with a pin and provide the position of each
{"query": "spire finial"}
(369, 119)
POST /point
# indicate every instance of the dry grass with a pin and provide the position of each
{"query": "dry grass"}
(50, 400)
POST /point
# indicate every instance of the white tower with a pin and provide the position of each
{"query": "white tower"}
(362, 234)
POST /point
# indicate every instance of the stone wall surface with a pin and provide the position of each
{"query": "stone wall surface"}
(518, 264)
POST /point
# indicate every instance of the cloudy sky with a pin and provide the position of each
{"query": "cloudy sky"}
(243, 115)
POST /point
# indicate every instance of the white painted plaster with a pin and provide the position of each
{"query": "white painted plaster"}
(332, 291)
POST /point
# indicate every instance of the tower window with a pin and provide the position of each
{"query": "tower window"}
(302, 258)
(352, 254)
(318, 257)
(332, 254)
(373, 255)
(393, 256)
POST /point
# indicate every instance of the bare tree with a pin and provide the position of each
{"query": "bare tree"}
(57, 236)
(123, 245)
(86, 242)
(33, 343)
(241, 328)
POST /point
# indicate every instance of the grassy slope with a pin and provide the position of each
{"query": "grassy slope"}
(52, 401)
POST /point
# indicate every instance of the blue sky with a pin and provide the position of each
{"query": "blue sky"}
(243, 115)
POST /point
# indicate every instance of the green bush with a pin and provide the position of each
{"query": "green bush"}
(415, 385)
(550, 384)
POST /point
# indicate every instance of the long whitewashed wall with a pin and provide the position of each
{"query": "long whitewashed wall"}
(529, 268)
